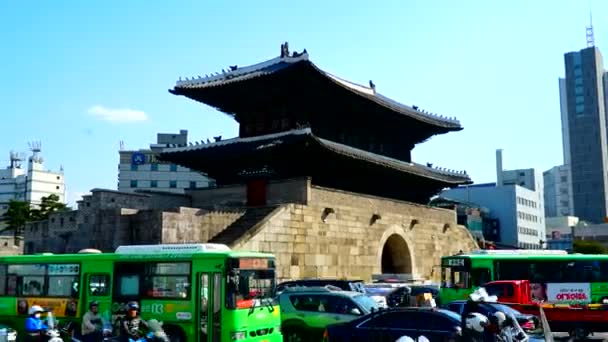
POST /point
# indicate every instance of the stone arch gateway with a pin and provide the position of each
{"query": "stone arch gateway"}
(396, 256)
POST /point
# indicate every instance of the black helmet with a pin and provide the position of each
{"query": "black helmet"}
(93, 303)
(132, 306)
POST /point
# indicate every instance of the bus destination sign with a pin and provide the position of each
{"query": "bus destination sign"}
(253, 263)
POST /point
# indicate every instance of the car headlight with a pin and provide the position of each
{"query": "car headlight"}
(238, 335)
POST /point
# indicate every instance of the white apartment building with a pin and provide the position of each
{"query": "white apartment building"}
(516, 200)
(31, 184)
(141, 169)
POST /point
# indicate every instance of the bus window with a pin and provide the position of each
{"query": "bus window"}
(167, 280)
(249, 279)
(453, 277)
(99, 284)
(3, 279)
(204, 306)
(128, 285)
(217, 307)
(55, 280)
(480, 276)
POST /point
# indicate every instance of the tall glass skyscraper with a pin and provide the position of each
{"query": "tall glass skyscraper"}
(583, 100)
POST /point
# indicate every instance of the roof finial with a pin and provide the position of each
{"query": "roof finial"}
(590, 38)
(285, 50)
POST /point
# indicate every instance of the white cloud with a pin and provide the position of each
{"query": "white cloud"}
(117, 115)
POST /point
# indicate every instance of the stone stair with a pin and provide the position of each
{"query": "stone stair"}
(251, 218)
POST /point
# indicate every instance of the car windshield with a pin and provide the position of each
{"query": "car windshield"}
(366, 303)
(506, 309)
(378, 291)
(451, 314)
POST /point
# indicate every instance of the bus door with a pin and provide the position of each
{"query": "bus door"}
(209, 307)
(97, 288)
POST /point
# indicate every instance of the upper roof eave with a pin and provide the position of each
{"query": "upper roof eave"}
(235, 74)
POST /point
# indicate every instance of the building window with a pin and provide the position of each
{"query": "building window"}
(580, 99)
(58, 178)
(578, 81)
(580, 109)
(173, 184)
(153, 184)
(133, 167)
(57, 187)
(173, 168)
(154, 167)
(134, 184)
(192, 185)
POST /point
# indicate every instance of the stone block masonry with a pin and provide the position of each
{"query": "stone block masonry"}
(313, 231)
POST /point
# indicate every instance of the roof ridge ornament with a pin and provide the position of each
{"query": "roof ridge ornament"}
(285, 50)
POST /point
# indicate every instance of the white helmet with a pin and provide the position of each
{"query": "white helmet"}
(476, 321)
(422, 338)
(405, 339)
(35, 309)
(500, 317)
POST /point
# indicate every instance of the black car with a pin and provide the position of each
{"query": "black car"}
(346, 285)
(389, 325)
(527, 322)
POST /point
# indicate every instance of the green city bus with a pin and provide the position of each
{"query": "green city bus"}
(201, 292)
(554, 276)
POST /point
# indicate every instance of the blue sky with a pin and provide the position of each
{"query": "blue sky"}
(68, 66)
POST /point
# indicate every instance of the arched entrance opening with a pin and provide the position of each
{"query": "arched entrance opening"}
(396, 256)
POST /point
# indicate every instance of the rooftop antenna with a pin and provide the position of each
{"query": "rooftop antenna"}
(16, 159)
(36, 147)
(590, 38)
(121, 145)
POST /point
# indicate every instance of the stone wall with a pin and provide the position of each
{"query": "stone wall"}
(349, 239)
(188, 225)
(7, 244)
(316, 232)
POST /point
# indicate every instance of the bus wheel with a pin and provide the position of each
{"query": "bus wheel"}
(174, 334)
(579, 333)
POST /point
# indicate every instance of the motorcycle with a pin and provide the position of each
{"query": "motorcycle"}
(8, 334)
(53, 332)
(156, 333)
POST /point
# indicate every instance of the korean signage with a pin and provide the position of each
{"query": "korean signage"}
(568, 292)
(60, 307)
(253, 263)
(456, 262)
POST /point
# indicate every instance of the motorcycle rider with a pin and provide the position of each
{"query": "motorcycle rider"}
(91, 324)
(131, 324)
(34, 326)
(476, 324)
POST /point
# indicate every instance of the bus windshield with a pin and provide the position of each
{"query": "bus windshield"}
(254, 282)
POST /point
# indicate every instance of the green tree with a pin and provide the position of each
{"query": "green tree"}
(588, 247)
(17, 215)
(48, 205)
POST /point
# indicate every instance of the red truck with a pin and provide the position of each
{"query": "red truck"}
(577, 320)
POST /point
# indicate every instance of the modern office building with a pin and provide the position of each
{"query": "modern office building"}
(558, 191)
(142, 170)
(516, 200)
(583, 102)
